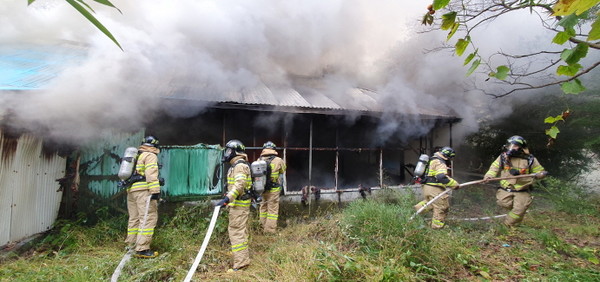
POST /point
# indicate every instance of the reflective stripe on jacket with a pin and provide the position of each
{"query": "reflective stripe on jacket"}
(520, 164)
(147, 165)
(238, 181)
(438, 167)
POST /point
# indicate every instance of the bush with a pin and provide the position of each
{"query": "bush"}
(567, 197)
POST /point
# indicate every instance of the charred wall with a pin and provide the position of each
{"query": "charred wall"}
(327, 151)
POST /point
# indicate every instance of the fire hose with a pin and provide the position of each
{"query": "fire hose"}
(211, 227)
(127, 255)
(472, 183)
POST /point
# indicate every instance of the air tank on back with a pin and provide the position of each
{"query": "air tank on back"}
(259, 175)
(421, 164)
(127, 163)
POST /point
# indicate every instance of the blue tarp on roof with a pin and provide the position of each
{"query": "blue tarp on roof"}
(32, 66)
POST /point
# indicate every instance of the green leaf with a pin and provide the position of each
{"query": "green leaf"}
(93, 20)
(569, 70)
(595, 32)
(470, 57)
(461, 45)
(473, 67)
(452, 31)
(593, 259)
(502, 72)
(554, 119)
(107, 3)
(29, 2)
(569, 21)
(552, 132)
(448, 20)
(439, 4)
(86, 5)
(572, 87)
(572, 56)
(563, 36)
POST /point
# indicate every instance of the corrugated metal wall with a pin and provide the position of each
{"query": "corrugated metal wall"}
(190, 172)
(29, 193)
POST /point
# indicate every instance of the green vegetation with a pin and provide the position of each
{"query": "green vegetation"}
(370, 240)
(566, 158)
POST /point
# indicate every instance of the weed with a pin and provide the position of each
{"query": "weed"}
(371, 240)
(567, 197)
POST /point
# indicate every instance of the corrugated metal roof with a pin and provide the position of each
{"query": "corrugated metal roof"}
(299, 96)
(27, 67)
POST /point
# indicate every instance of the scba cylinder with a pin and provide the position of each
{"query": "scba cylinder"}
(127, 163)
(420, 168)
(259, 175)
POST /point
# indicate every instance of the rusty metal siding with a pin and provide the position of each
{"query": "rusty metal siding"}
(28, 188)
(100, 162)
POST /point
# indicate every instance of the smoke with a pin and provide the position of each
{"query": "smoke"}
(205, 48)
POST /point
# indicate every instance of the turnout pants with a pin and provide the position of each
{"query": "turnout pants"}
(238, 235)
(440, 206)
(136, 207)
(516, 202)
(269, 211)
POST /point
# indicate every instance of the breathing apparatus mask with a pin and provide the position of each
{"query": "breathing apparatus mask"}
(228, 155)
(513, 150)
(231, 149)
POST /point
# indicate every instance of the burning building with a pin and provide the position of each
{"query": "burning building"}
(340, 87)
(332, 142)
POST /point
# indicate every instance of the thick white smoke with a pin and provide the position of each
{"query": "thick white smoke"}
(228, 45)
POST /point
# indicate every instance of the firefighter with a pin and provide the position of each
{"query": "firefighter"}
(269, 207)
(237, 199)
(436, 181)
(514, 194)
(146, 170)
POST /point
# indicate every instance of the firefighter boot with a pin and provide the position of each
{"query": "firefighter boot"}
(146, 254)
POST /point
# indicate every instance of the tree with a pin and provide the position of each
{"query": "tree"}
(576, 26)
(86, 10)
(567, 159)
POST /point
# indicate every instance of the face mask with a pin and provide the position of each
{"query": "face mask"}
(513, 149)
(228, 155)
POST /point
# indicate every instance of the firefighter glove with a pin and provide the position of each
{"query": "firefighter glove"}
(222, 202)
(155, 196)
(514, 172)
(486, 179)
(540, 175)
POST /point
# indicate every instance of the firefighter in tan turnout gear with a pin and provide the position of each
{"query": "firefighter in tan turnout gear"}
(513, 194)
(269, 207)
(147, 188)
(237, 199)
(436, 181)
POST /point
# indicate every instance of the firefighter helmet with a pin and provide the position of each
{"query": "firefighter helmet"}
(448, 152)
(517, 140)
(515, 145)
(269, 145)
(150, 141)
(232, 148)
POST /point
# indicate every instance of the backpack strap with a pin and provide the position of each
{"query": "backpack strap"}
(269, 183)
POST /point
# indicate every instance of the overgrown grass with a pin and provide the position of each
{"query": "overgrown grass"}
(368, 240)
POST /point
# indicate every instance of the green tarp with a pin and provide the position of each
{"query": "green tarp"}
(191, 170)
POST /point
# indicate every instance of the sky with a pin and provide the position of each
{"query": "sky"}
(233, 44)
